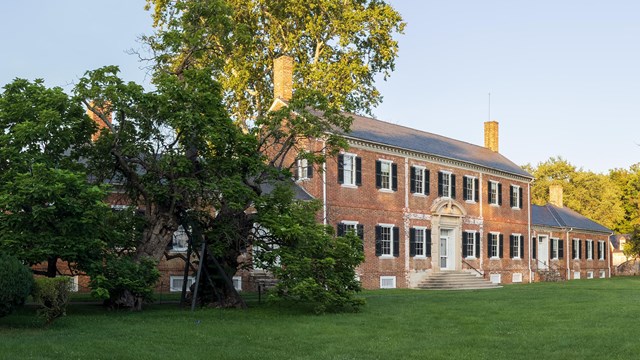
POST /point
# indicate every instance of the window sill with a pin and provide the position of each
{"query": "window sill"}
(420, 195)
(515, 208)
(421, 257)
(386, 190)
(386, 257)
(494, 205)
(178, 251)
(349, 186)
(495, 258)
(471, 201)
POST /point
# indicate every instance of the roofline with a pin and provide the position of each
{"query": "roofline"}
(447, 160)
(572, 229)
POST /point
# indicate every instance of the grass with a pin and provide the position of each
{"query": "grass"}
(581, 319)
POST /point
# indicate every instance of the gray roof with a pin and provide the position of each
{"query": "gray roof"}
(550, 215)
(364, 128)
(298, 191)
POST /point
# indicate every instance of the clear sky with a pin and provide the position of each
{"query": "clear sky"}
(564, 76)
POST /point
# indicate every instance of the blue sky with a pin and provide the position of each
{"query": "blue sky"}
(564, 76)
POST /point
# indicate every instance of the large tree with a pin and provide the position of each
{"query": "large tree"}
(46, 203)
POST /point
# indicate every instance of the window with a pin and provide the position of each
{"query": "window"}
(516, 278)
(470, 185)
(470, 244)
(387, 240)
(176, 283)
(386, 175)
(495, 245)
(602, 253)
(420, 242)
(419, 180)
(557, 249)
(495, 278)
(349, 170)
(446, 184)
(237, 283)
(180, 240)
(495, 193)
(304, 169)
(387, 282)
(516, 197)
(516, 243)
(576, 249)
(74, 284)
(603, 274)
(345, 227)
(576, 275)
(589, 249)
(589, 274)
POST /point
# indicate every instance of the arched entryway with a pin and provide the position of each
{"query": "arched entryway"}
(446, 235)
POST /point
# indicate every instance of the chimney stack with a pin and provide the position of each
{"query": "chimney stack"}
(98, 120)
(491, 135)
(283, 78)
(555, 195)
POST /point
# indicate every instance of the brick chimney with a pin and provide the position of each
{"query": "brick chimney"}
(283, 78)
(491, 135)
(98, 121)
(555, 195)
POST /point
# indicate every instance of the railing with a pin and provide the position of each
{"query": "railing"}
(471, 266)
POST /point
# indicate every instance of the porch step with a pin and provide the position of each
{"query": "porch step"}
(455, 280)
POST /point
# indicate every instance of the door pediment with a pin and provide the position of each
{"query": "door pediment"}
(448, 207)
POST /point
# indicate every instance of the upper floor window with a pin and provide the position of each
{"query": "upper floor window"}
(471, 187)
(180, 240)
(386, 175)
(419, 180)
(602, 253)
(305, 170)
(516, 197)
(557, 249)
(387, 240)
(349, 170)
(495, 193)
(470, 244)
(516, 243)
(446, 184)
(495, 245)
(420, 242)
(589, 245)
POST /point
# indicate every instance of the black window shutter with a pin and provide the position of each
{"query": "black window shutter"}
(341, 229)
(512, 199)
(477, 254)
(340, 169)
(574, 250)
(605, 248)
(412, 242)
(394, 177)
(440, 175)
(477, 187)
(413, 180)
(520, 198)
(501, 248)
(428, 240)
(560, 249)
(511, 247)
(534, 241)
(378, 240)
(599, 251)
(310, 171)
(580, 253)
(521, 247)
(427, 182)
(465, 241)
(360, 230)
(489, 192)
(499, 194)
(465, 181)
(358, 171)
(453, 186)
(489, 245)
(378, 174)
(396, 241)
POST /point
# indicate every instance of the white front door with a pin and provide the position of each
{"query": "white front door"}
(543, 252)
(446, 260)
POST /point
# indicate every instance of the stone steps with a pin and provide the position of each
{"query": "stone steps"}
(455, 280)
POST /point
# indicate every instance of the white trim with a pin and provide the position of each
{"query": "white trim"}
(495, 278)
(516, 277)
(473, 187)
(390, 255)
(603, 274)
(353, 170)
(497, 184)
(177, 286)
(390, 163)
(589, 274)
(424, 242)
(237, 283)
(498, 250)
(518, 200)
(576, 275)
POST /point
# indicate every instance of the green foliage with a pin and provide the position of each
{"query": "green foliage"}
(311, 265)
(632, 246)
(16, 282)
(122, 276)
(52, 294)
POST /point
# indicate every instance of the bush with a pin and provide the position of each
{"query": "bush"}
(52, 294)
(16, 282)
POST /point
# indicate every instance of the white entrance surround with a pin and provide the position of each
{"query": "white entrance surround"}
(446, 235)
(543, 252)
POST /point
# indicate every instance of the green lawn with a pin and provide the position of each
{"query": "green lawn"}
(583, 319)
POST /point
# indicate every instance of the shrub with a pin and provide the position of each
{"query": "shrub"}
(16, 282)
(52, 294)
